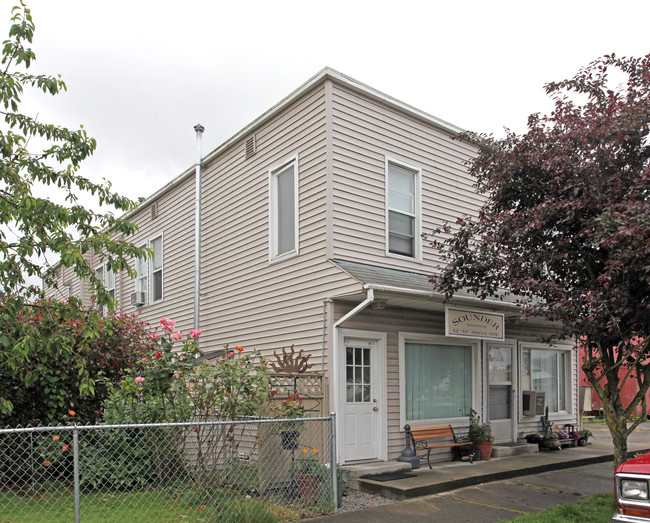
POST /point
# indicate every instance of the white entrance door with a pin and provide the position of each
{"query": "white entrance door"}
(360, 395)
(501, 386)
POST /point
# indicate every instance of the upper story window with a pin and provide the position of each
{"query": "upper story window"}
(157, 269)
(403, 209)
(142, 267)
(106, 275)
(150, 273)
(283, 209)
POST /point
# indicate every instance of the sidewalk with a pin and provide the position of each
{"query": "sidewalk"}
(452, 475)
(449, 476)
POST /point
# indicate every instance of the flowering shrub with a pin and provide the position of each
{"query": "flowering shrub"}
(173, 383)
(58, 360)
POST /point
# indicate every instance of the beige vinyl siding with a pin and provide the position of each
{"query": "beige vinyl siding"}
(392, 321)
(175, 222)
(248, 300)
(365, 133)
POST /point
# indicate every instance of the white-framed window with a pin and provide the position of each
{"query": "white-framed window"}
(150, 271)
(156, 245)
(548, 369)
(283, 210)
(437, 376)
(106, 275)
(403, 215)
(142, 268)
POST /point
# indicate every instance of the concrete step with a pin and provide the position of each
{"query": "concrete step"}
(352, 473)
(513, 449)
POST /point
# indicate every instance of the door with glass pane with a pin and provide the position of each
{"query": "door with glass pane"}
(363, 412)
(501, 386)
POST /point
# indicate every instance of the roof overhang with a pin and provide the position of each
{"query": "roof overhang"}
(410, 290)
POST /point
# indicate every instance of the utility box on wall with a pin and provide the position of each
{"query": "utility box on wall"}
(533, 402)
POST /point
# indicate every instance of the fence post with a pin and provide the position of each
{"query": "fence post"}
(77, 494)
(333, 468)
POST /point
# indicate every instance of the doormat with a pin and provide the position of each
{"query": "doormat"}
(388, 477)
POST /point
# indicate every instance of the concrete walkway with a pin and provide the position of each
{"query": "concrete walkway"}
(593, 473)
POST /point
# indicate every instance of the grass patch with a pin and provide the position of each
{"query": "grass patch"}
(58, 507)
(594, 509)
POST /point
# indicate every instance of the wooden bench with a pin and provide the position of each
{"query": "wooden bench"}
(428, 438)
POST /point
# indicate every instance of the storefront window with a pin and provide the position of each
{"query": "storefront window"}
(438, 381)
(546, 370)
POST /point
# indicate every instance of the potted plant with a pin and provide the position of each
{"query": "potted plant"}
(584, 436)
(290, 408)
(479, 434)
(551, 439)
(309, 474)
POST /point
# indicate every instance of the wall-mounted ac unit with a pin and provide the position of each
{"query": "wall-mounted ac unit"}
(533, 402)
(138, 298)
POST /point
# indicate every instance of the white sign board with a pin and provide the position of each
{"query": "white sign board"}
(474, 324)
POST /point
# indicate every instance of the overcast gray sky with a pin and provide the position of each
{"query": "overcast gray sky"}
(141, 74)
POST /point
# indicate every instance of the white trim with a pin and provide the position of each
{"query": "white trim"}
(274, 256)
(339, 400)
(403, 338)
(417, 216)
(569, 393)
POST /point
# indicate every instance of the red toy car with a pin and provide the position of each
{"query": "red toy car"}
(632, 483)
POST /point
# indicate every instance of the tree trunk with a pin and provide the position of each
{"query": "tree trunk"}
(613, 409)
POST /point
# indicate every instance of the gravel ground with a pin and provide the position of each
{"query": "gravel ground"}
(357, 500)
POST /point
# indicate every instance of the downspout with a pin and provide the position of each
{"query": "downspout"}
(197, 226)
(358, 308)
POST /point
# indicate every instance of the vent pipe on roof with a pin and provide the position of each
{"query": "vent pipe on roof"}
(197, 226)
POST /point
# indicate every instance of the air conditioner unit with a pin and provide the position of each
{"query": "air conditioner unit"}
(533, 402)
(138, 298)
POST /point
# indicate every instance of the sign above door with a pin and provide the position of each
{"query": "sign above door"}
(465, 323)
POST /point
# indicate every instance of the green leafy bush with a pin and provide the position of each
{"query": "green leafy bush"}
(59, 360)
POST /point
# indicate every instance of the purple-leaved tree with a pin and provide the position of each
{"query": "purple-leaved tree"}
(565, 227)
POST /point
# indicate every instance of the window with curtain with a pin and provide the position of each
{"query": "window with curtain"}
(438, 381)
(548, 372)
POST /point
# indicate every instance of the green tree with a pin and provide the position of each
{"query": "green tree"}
(565, 227)
(31, 226)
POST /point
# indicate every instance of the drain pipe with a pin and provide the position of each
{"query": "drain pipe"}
(197, 226)
(370, 298)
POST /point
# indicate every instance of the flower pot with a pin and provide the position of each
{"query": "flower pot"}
(289, 439)
(551, 444)
(582, 442)
(309, 487)
(485, 448)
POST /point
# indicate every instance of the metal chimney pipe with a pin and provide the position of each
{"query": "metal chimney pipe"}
(197, 226)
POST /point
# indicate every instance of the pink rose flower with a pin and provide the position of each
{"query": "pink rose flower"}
(195, 333)
(177, 336)
(139, 379)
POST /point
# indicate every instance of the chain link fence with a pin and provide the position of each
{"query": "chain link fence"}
(242, 471)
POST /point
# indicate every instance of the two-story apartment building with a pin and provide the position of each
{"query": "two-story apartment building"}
(310, 234)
